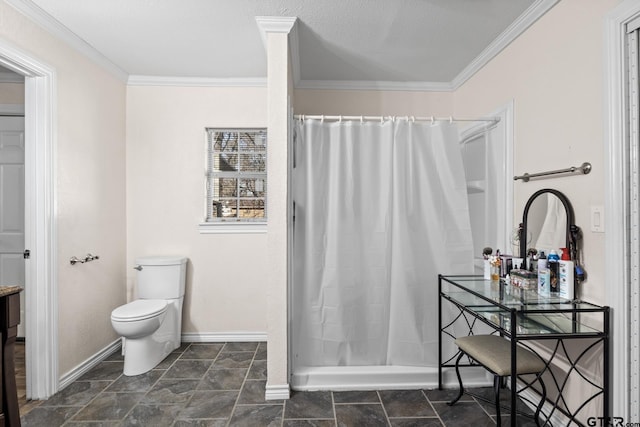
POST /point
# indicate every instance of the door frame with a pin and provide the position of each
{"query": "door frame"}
(40, 226)
(621, 176)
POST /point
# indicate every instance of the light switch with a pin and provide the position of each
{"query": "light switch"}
(597, 219)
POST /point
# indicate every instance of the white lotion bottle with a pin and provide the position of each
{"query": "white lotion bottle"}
(565, 279)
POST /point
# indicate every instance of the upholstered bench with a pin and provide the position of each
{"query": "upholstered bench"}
(494, 353)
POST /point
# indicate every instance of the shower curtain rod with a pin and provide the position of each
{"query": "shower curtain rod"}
(431, 119)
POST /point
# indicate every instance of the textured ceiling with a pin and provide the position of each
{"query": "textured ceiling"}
(339, 40)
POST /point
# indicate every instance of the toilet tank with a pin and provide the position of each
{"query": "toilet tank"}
(161, 277)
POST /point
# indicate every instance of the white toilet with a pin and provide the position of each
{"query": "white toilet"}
(151, 325)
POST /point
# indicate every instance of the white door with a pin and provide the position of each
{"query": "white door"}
(12, 205)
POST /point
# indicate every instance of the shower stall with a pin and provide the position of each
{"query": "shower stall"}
(380, 208)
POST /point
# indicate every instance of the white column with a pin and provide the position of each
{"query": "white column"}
(278, 87)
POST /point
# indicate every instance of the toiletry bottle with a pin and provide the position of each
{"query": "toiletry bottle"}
(565, 279)
(486, 254)
(494, 263)
(542, 262)
(565, 254)
(552, 263)
(543, 282)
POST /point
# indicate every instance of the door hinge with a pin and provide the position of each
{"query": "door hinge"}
(26, 254)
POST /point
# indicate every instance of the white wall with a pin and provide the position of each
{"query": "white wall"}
(554, 74)
(361, 102)
(90, 188)
(226, 284)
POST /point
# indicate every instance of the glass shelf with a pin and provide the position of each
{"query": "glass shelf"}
(539, 323)
(536, 315)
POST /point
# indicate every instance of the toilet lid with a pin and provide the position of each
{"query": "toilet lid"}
(139, 309)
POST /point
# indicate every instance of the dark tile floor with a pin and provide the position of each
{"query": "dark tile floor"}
(221, 384)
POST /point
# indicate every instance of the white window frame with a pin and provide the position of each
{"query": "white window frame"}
(233, 225)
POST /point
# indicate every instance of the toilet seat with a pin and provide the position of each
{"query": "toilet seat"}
(139, 310)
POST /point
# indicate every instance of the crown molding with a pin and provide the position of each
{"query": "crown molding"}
(374, 85)
(137, 80)
(519, 26)
(53, 26)
(275, 24)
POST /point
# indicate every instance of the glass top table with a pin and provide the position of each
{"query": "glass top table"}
(527, 318)
(498, 304)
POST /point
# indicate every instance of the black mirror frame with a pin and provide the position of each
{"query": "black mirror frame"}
(570, 224)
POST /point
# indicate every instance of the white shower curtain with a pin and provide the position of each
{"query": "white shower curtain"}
(380, 210)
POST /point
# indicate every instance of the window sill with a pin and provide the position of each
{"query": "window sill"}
(232, 227)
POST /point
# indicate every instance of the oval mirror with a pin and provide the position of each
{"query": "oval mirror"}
(547, 223)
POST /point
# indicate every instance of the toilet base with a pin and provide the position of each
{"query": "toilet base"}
(143, 354)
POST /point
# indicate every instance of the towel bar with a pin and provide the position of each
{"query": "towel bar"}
(585, 168)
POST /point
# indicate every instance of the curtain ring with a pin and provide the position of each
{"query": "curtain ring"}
(339, 119)
(432, 121)
(322, 119)
(361, 120)
(413, 119)
(450, 119)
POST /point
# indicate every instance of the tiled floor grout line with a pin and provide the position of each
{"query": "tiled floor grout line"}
(333, 408)
(175, 420)
(158, 380)
(433, 407)
(67, 422)
(386, 415)
(244, 381)
(151, 386)
(492, 417)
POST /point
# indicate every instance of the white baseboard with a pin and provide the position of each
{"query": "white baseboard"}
(276, 392)
(88, 364)
(224, 337)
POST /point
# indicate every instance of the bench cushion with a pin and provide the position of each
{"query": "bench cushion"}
(494, 353)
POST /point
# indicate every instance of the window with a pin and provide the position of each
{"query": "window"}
(236, 175)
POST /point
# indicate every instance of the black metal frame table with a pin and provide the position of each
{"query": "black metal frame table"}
(522, 315)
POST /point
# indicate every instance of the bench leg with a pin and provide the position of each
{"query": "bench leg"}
(459, 381)
(496, 389)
